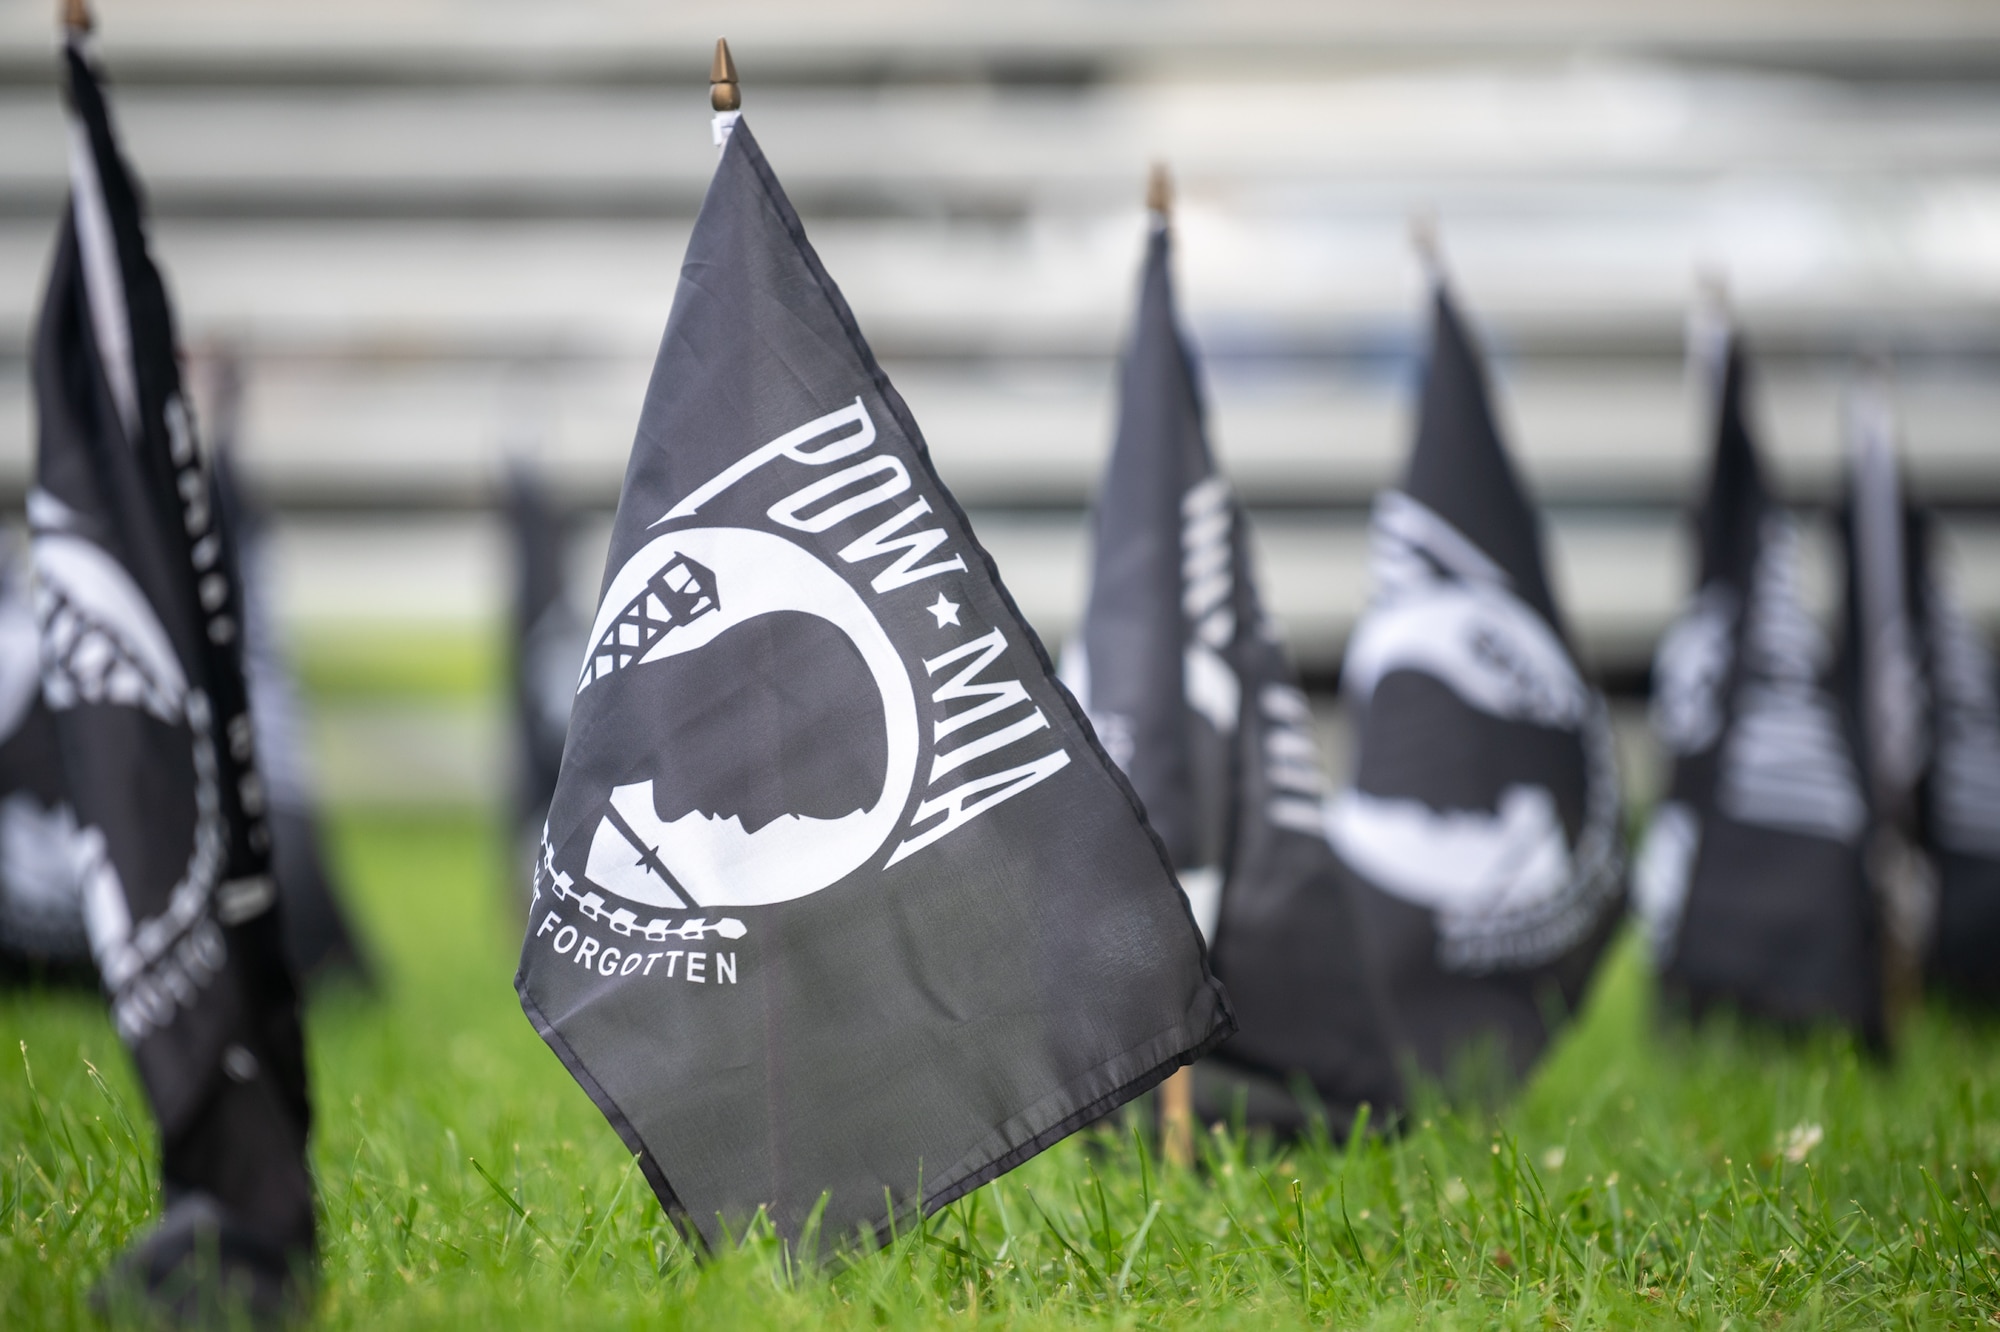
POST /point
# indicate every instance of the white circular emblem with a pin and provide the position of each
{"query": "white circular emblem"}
(658, 606)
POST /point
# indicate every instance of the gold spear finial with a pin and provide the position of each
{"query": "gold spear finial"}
(723, 94)
(76, 16)
(1160, 191)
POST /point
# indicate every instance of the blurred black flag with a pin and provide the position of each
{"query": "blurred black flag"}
(1151, 662)
(840, 897)
(1190, 690)
(140, 613)
(547, 640)
(41, 902)
(1483, 818)
(1960, 810)
(1753, 880)
(318, 938)
(1918, 679)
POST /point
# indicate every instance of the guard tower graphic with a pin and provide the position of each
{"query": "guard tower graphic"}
(88, 657)
(681, 592)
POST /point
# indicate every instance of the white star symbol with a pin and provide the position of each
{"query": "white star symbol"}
(946, 611)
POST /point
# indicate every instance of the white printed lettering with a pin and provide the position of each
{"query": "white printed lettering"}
(903, 568)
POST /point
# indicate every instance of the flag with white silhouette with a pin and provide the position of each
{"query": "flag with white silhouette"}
(1959, 811)
(1482, 822)
(547, 638)
(1918, 680)
(840, 899)
(1188, 686)
(140, 613)
(1752, 880)
(41, 903)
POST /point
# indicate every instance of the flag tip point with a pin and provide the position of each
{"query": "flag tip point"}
(1160, 191)
(75, 15)
(1424, 239)
(1711, 286)
(723, 93)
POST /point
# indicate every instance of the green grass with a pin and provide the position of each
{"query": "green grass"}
(366, 661)
(1642, 1178)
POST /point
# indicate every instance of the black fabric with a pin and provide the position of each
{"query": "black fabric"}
(1959, 800)
(882, 1008)
(1754, 878)
(1160, 547)
(140, 611)
(1185, 678)
(200, 1267)
(1461, 470)
(1481, 829)
(1306, 988)
(320, 942)
(42, 939)
(1775, 913)
(547, 637)
(1943, 798)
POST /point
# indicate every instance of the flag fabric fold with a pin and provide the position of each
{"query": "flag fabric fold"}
(42, 938)
(840, 899)
(1960, 796)
(140, 613)
(1918, 681)
(1482, 822)
(320, 942)
(1187, 682)
(1753, 879)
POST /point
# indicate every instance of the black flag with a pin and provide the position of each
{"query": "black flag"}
(319, 941)
(1919, 681)
(840, 897)
(41, 902)
(1151, 662)
(1483, 819)
(1960, 796)
(547, 638)
(1184, 677)
(1753, 880)
(140, 612)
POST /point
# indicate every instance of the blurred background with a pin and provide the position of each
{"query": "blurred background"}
(441, 234)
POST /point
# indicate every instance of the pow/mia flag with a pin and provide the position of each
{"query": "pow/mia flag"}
(1919, 682)
(1960, 805)
(1482, 824)
(1753, 880)
(1151, 661)
(1959, 799)
(1183, 675)
(140, 615)
(548, 635)
(41, 902)
(1309, 1000)
(319, 941)
(839, 897)
(1960, 796)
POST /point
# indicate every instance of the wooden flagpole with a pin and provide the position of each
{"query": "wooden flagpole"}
(1177, 1092)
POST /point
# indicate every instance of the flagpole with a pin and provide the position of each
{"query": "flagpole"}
(725, 98)
(1177, 1092)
